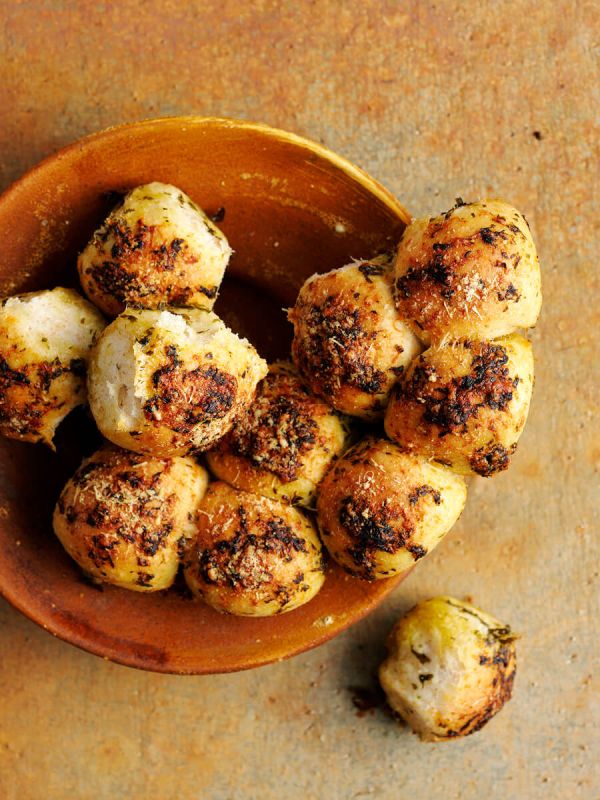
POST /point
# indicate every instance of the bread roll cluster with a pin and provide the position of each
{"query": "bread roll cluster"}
(459, 285)
(423, 341)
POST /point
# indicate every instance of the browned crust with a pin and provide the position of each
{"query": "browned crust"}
(372, 523)
(333, 345)
(184, 399)
(375, 527)
(280, 428)
(435, 279)
(31, 395)
(499, 656)
(117, 498)
(439, 407)
(335, 336)
(262, 559)
(450, 406)
(143, 270)
(246, 559)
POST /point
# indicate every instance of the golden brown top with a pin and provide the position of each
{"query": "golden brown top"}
(253, 556)
(119, 497)
(349, 343)
(184, 398)
(449, 405)
(471, 271)
(281, 426)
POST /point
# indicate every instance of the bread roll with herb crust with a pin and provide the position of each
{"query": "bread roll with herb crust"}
(349, 344)
(380, 510)
(253, 556)
(450, 668)
(45, 342)
(281, 446)
(465, 403)
(126, 518)
(170, 382)
(156, 248)
(471, 272)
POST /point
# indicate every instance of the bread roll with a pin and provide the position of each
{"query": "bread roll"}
(253, 556)
(156, 248)
(349, 343)
(45, 341)
(380, 510)
(450, 668)
(281, 446)
(126, 518)
(465, 403)
(170, 382)
(471, 272)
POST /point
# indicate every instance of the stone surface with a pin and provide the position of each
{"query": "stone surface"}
(435, 100)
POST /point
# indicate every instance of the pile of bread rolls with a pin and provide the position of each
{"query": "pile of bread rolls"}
(423, 340)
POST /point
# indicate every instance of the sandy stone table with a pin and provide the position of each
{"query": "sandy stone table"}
(436, 100)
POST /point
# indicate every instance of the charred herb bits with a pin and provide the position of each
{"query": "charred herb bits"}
(350, 345)
(471, 272)
(464, 403)
(170, 382)
(157, 248)
(281, 446)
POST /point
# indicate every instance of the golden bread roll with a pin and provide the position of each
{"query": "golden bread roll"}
(253, 556)
(349, 343)
(45, 342)
(156, 248)
(380, 510)
(281, 446)
(126, 518)
(170, 382)
(464, 403)
(471, 272)
(450, 668)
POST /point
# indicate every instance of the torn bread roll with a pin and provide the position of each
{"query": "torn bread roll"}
(45, 343)
(170, 382)
(450, 668)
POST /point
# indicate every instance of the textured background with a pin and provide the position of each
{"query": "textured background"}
(435, 100)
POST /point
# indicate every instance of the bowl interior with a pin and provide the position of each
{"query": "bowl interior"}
(291, 208)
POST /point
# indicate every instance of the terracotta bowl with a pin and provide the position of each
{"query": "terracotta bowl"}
(292, 208)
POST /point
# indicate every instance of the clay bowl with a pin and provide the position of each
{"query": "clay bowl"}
(291, 208)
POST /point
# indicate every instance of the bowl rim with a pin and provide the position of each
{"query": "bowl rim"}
(341, 162)
(355, 173)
